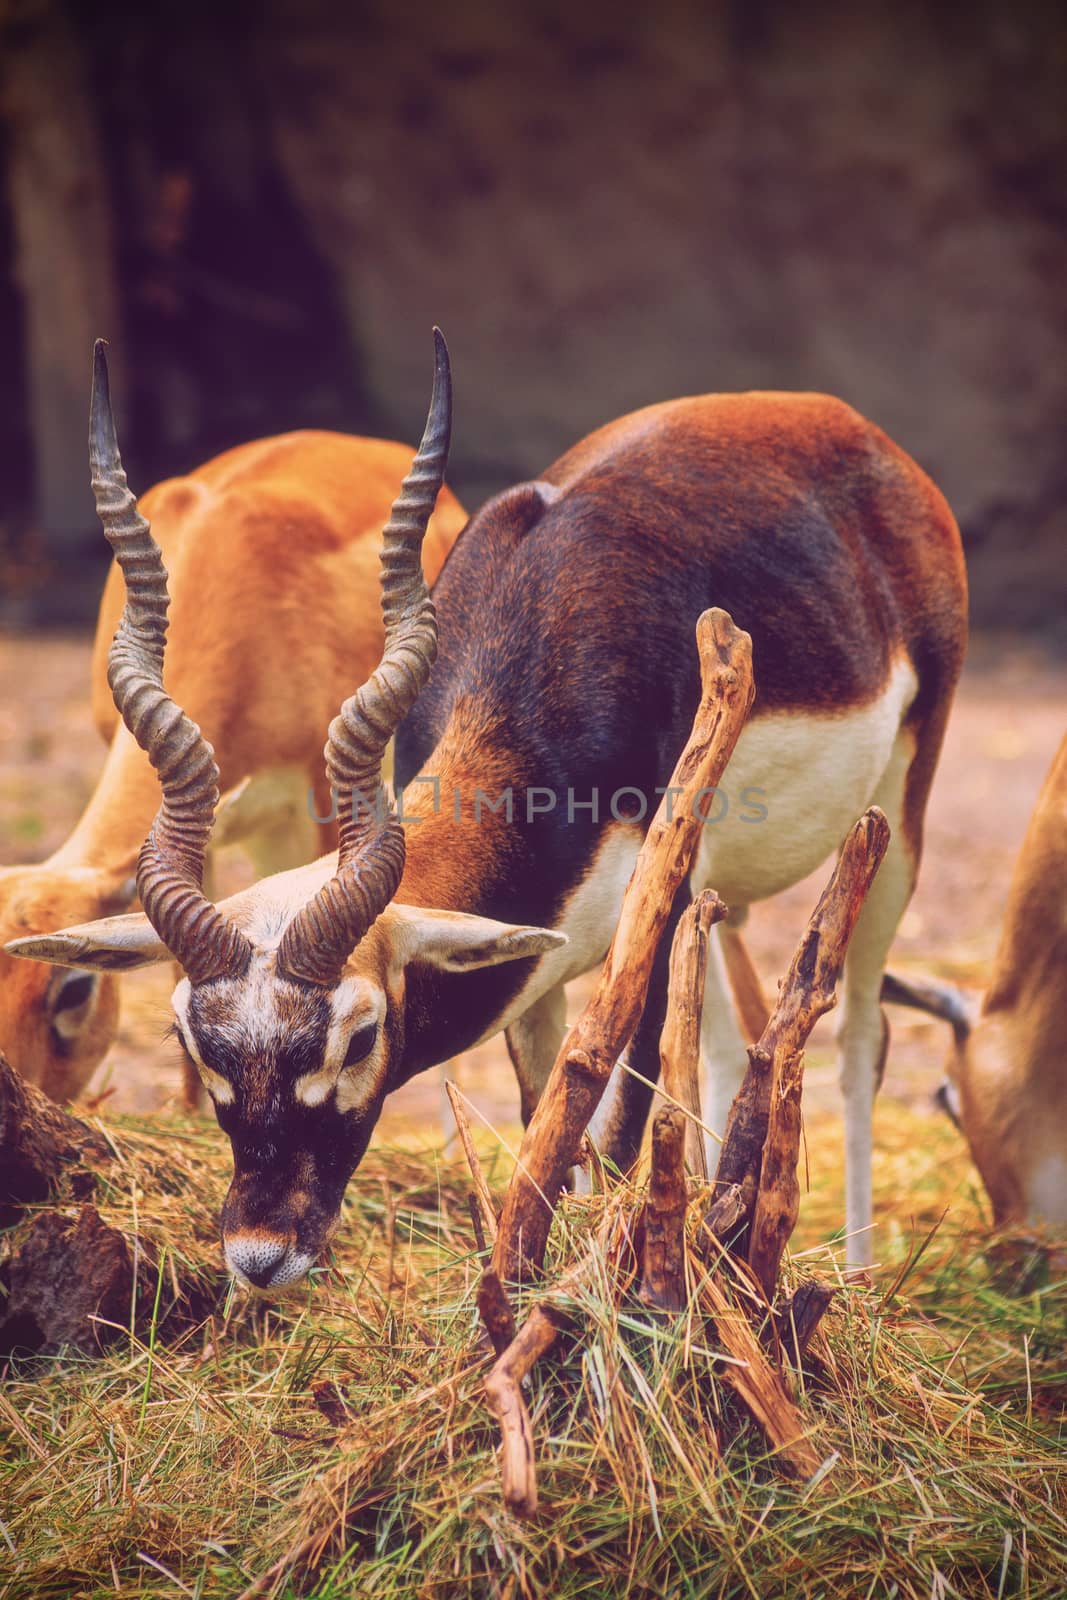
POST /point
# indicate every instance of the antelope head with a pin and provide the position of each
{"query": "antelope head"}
(293, 996)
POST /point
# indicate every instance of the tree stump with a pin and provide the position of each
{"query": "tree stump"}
(68, 1279)
(43, 1150)
(69, 1285)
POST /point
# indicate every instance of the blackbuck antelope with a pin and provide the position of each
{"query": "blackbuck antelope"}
(565, 684)
(1007, 1068)
(272, 550)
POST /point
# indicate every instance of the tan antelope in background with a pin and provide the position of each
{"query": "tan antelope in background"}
(1007, 1068)
(565, 683)
(272, 551)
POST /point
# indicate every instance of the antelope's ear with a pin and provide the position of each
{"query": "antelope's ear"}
(114, 944)
(457, 942)
(943, 1000)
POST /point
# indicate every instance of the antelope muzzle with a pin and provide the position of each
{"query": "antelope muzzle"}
(277, 1221)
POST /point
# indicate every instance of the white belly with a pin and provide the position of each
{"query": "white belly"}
(812, 775)
(794, 787)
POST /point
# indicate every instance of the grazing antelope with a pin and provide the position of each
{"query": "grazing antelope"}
(272, 550)
(565, 685)
(1007, 1066)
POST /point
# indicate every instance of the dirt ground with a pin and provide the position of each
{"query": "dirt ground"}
(1009, 717)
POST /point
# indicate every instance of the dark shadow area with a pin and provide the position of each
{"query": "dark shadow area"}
(267, 206)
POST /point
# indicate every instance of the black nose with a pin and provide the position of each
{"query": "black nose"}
(255, 1257)
(260, 1276)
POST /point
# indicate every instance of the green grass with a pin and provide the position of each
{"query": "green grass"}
(194, 1459)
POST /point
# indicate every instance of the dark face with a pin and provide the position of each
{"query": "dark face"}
(289, 1179)
(298, 1071)
(297, 1076)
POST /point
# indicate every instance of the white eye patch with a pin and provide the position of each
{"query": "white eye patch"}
(312, 1088)
(219, 1088)
(353, 1056)
(354, 1080)
(356, 1089)
(353, 1044)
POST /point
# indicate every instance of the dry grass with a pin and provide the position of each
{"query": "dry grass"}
(198, 1463)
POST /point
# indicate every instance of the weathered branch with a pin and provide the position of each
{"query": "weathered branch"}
(503, 1386)
(756, 1382)
(808, 992)
(801, 1314)
(476, 1222)
(494, 1308)
(593, 1045)
(722, 1219)
(805, 993)
(503, 1391)
(758, 1192)
(741, 1154)
(679, 1049)
(481, 1188)
(663, 1255)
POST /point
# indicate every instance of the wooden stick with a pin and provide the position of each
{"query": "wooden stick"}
(756, 1382)
(741, 1155)
(503, 1386)
(809, 990)
(663, 1255)
(801, 1314)
(503, 1392)
(679, 1048)
(593, 1045)
(723, 1217)
(806, 992)
(481, 1188)
(476, 1222)
(494, 1308)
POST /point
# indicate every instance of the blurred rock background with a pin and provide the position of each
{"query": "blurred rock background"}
(265, 206)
